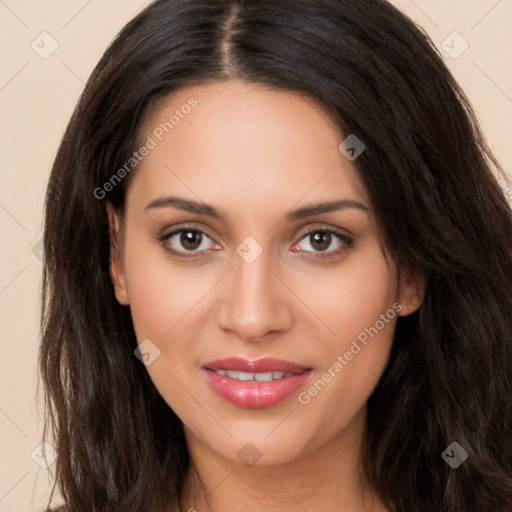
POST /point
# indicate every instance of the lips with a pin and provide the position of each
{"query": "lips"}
(251, 391)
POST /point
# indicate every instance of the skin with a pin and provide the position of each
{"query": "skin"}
(255, 154)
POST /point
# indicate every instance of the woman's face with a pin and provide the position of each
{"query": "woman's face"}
(251, 282)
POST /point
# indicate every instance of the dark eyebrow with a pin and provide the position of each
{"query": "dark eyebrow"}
(325, 207)
(186, 205)
(204, 209)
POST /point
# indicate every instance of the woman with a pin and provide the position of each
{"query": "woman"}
(278, 268)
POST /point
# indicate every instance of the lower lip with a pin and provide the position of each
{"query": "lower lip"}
(253, 394)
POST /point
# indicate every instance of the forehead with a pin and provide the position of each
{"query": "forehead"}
(243, 143)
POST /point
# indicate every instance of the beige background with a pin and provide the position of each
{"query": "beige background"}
(36, 100)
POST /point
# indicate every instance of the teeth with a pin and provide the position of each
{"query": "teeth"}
(240, 375)
(259, 377)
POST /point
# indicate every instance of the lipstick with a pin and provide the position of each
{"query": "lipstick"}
(255, 384)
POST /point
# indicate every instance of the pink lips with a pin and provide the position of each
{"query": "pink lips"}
(254, 394)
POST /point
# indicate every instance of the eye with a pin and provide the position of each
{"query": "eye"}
(320, 239)
(188, 242)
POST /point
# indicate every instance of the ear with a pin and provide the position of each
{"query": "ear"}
(116, 261)
(411, 290)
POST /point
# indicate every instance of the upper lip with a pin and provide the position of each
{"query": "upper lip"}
(263, 365)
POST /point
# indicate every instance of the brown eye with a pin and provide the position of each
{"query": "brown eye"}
(186, 242)
(190, 239)
(322, 239)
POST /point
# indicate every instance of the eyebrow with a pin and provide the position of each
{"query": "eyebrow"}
(188, 205)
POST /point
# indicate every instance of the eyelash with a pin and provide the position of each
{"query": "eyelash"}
(346, 240)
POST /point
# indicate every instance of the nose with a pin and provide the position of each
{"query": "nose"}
(256, 302)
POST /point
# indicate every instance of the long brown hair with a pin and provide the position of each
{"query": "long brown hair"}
(432, 181)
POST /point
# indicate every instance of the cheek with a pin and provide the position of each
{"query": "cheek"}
(353, 296)
(162, 293)
(360, 312)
